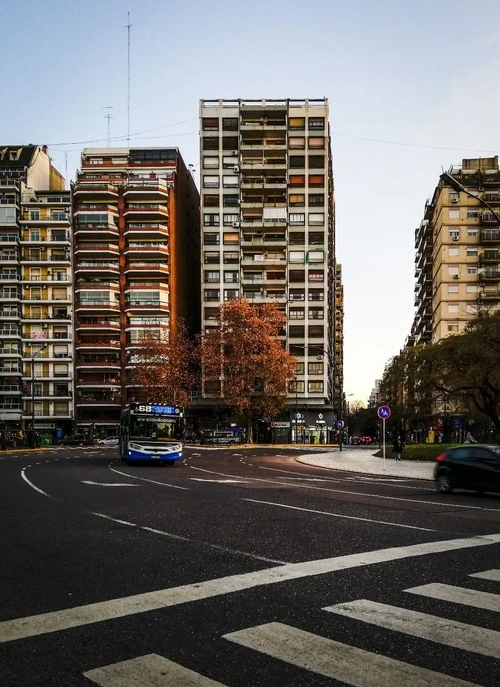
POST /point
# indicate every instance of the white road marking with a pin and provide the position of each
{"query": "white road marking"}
(152, 670)
(219, 481)
(337, 515)
(151, 481)
(450, 632)
(20, 628)
(458, 595)
(31, 483)
(108, 484)
(493, 575)
(443, 504)
(335, 660)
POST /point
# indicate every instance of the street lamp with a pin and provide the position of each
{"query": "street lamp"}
(33, 355)
(458, 187)
(348, 410)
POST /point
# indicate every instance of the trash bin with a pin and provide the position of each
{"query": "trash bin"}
(45, 440)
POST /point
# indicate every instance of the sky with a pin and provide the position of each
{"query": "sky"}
(412, 88)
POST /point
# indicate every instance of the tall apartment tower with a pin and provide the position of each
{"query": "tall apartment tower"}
(458, 252)
(136, 260)
(35, 295)
(267, 211)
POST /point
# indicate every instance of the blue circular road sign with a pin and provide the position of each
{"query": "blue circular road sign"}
(383, 412)
(339, 424)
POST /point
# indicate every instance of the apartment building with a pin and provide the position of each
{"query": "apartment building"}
(457, 264)
(35, 295)
(136, 261)
(267, 216)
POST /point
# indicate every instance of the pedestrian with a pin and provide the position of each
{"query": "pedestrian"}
(398, 448)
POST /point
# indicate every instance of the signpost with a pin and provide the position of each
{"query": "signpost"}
(340, 425)
(383, 412)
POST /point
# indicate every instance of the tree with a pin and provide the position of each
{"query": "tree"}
(164, 366)
(244, 362)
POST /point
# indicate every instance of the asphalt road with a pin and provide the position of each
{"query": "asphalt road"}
(241, 567)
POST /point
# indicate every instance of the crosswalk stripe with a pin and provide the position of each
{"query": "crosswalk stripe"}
(459, 595)
(335, 660)
(459, 635)
(493, 575)
(151, 670)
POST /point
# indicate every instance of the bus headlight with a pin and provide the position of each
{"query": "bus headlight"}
(137, 447)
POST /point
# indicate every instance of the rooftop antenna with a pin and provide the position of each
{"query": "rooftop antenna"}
(128, 27)
(108, 117)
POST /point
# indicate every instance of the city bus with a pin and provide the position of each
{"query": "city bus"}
(151, 432)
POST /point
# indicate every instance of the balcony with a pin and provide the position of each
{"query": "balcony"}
(95, 268)
(100, 365)
(155, 269)
(8, 240)
(489, 296)
(58, 219)
(489, 236)
(489, 256)
(90, 230)
(138, 230)
(8, 333)
(146, 211)
(104, 191)
(488, 218)
(146, 190)
(151, 249)
(8, 277)
(92, 249)
(89, 346)
(489, 276)
(102, 325)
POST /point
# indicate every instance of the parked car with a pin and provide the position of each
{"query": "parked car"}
(365, 440)
(471, 466)
(73, 440)
(109, 441)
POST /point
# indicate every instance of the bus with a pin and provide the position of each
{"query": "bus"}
(151, 432)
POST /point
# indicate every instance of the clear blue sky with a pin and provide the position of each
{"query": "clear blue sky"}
(412, 86)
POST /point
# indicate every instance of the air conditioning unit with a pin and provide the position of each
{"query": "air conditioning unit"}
(479, 302)
(235, 152)
(454, 200)
(236, 168)
(456, 276)
(236, 224)
(480, 188)
(455, 238)
(482, 283)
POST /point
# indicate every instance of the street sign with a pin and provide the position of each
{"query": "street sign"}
(339, 424)
(383, 412)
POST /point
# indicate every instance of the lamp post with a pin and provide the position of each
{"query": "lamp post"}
(348, 416)
(459, 188)
(33, 355)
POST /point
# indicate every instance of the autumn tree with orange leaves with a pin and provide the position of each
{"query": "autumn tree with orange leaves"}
(244, 362)
(165, 366)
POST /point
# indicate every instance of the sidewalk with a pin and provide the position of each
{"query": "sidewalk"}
(363, 460)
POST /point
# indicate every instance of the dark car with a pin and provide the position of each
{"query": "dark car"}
(469, 466)
(73, 440)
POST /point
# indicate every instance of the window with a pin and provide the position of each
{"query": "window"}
(315, 368)
(296, 238)
(210, 124)
(472, 233)
(453, 288)
(297, 256)
(471, 252)
(230, 201)
(316, 238)
(316, 331)
(230, 123)
(316, 295)
(60, 351)
(211, 239)
(316, 179)
(210, 182)
(230, 181)
(210, 200)
(61, 408)
(211, 220)
(229, 294)
(212, 276)
(231, 277)
(296, 295)
(211, 313)
(231, 257)
(471, 270)
(454, 197)
(453, 271)
(315, 387)
(316, 275)
(212, 294)
(453, 308)
(471, 288)
(453, 251)
(472, 213)
(296, 331)
(296, 276)
(453, 326)
(297, 218)
(210, 162)
(316, 161)
(210, 143)
(294, 142)
(34, 235)
(59, 294)
(297, 180)
(316, 218)
(297, 123)
(454, 213)
(316, 142)
(316, 199)
(34, 215)
(296, 314)
(231, 239)
(316, 313)
(316, 123)
(297, 161)
(297, 200)
(229, 219)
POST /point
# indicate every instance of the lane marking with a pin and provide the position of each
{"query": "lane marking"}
(151, 481)
(151, 670)
(493, 575)
(449, 632)
(442, 504)
(458, 595)
(332, 659)
(20, 628)
(180, 537)
(219, 481)
(109, 484)
(336, 515)
(31, 483)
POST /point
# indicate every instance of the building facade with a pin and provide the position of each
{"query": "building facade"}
(136, 261)
(36, 380)
(268, 234)
(458, 252)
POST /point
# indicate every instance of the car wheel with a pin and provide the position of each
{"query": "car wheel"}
(443, 484)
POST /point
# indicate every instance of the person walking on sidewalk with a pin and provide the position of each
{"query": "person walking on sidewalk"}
(398, 447)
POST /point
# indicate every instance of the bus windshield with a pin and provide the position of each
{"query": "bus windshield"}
(155, 428)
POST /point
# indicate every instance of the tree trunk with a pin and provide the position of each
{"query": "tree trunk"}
(249, 429)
